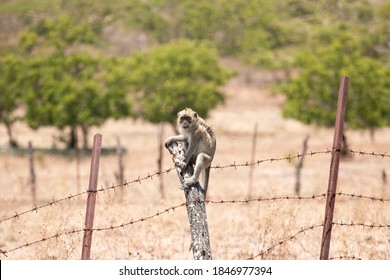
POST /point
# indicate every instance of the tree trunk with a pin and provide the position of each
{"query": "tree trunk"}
(12, 142)
(85, 130)
(72, 144)
(344, 146)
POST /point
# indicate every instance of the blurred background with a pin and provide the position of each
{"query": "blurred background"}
(264, 74)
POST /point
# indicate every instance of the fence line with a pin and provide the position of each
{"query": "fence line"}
(157, 174)
(290, 238)
(260, 199)
(309, 228)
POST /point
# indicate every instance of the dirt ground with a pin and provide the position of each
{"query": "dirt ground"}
(238, 230)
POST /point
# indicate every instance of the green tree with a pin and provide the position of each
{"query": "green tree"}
(74, 91)
(312, 94)
(176, 75)
(11, 90)
(69, 87)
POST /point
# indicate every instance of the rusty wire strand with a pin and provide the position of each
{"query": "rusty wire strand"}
(258, 199)
(309, 228)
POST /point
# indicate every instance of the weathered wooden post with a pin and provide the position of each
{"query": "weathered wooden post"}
(120, 175)
(299, 167)
(334, 168)
(253, 158)
(91, 201)
(32, 172)
(195, 206)
(160, 133)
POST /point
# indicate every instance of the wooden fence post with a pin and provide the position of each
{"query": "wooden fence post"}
(160, 133)
(91, 201)
(195, 206)
(300, 165)
(253, 156)
(77, 154)
(334, 168)
(32, 172)
(120, 176)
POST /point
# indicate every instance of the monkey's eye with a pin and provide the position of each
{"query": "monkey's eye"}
(185, 119)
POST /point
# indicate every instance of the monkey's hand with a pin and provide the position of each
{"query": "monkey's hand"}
(188, 182)
(169, 142)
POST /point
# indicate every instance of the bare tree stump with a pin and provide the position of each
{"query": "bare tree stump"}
(196, 209)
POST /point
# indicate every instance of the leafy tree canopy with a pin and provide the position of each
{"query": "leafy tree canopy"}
(176, 75)
(11, 84)
(66, 84)
(312, 94)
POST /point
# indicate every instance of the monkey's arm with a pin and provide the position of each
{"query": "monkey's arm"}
(177, 138)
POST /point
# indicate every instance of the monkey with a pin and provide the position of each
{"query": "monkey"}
(199, 144)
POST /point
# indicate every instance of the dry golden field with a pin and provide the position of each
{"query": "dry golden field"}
(238, 230)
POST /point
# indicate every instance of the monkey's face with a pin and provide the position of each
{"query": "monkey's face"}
(185, 122)
(187, 119)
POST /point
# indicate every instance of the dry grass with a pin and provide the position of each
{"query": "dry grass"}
(239, 230)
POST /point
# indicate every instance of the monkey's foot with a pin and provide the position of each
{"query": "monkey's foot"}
(188, 182)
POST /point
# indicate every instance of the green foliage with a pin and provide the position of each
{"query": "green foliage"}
(11, 84)
(72, 90)
(66, 86)
(177, 75)
(260, 32)
(312, 95)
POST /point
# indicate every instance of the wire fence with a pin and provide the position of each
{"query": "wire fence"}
(5, 252)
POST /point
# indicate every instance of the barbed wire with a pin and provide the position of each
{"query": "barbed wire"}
(258, 199)
(111, 227)
(359, 196)
(345, 258)
(285, 240)
(309, 228)
(234, 165)
(156, 174)
(73, 196)
(169, 209)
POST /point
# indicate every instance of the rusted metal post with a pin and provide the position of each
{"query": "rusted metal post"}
(32, 172)
(91, 201)
(196, 209)
(334, 168)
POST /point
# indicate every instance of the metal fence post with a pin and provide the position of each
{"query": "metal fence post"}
(334, 168)
(91, 201)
